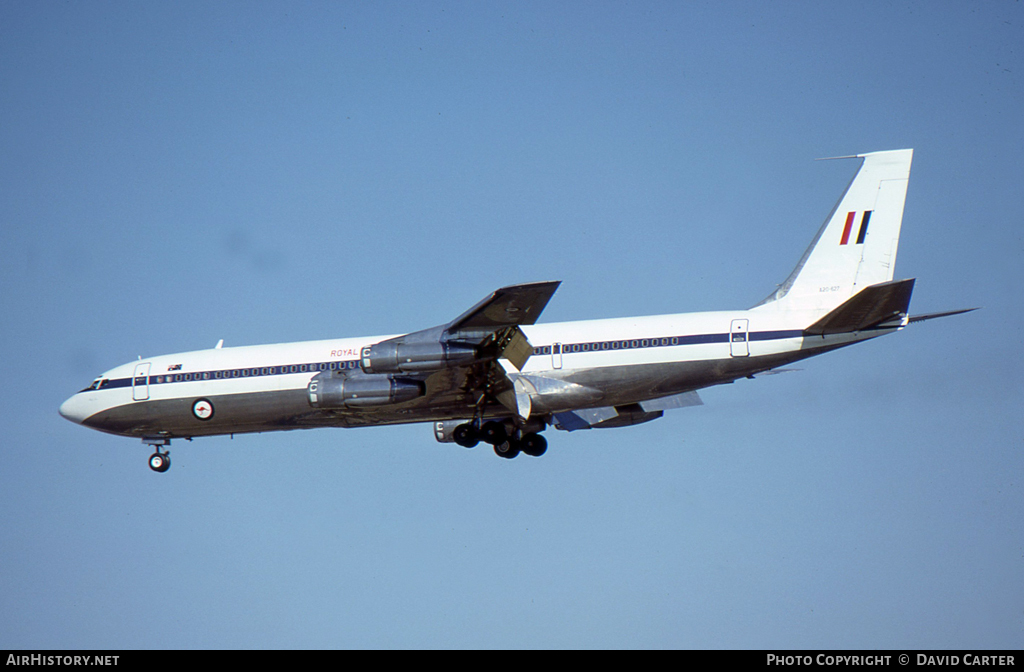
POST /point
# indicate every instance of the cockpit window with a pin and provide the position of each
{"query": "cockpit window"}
(94, 386)
(97, 384)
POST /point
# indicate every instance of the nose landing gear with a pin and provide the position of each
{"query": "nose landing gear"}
(159, 462)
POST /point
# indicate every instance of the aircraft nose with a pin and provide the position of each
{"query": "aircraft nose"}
(74, 409)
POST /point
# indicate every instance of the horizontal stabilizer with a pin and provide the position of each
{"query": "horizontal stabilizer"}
(506, 307)
(868, 308)
(932, 316)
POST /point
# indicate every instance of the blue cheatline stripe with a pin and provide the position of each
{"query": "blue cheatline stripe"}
(634, 343)
(665, 341)
(775, 335)
(229, 374)
(567, 348)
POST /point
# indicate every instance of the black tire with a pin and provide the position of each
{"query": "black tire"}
(534, 445)
(507, 449)
(160, 462)
(465, 435)
(494, 433)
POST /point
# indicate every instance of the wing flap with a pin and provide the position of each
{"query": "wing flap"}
(514, 347)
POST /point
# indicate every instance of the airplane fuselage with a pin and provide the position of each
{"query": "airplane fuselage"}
(601, 363)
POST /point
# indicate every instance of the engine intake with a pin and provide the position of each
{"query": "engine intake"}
(331, 389)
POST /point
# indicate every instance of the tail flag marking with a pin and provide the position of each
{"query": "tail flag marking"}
(862, 232)
(846, 229)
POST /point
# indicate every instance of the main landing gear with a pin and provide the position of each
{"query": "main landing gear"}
(505, 445)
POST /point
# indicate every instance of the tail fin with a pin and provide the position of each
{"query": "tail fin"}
(856, 246)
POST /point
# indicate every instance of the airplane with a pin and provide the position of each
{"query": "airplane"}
(494, 375)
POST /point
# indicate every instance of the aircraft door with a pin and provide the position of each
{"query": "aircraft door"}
(140, 382)
(556, 356)
(738, 335)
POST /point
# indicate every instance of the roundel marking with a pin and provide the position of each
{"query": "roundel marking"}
(202, 409)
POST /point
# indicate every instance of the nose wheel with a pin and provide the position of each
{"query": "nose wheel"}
(160, 462)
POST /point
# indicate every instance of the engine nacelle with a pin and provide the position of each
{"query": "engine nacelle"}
(399, 356)
(333, 389)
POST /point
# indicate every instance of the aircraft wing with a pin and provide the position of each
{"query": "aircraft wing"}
(506, 307)
(458, 361)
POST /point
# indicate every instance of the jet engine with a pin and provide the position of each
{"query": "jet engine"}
(335, 389)
(416, 353)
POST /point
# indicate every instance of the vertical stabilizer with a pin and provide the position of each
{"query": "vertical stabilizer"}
(856, 246)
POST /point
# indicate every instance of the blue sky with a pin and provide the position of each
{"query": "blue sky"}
(173, 174)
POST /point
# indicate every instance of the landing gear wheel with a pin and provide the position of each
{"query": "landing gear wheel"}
(507, 449)
(466, 436)
(160, 462)
(534, 445)
(494, 433)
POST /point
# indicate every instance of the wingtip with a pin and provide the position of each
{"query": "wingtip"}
(865, 154)
(834, 158)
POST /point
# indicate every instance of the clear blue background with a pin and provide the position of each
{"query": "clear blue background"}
(176, 173)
